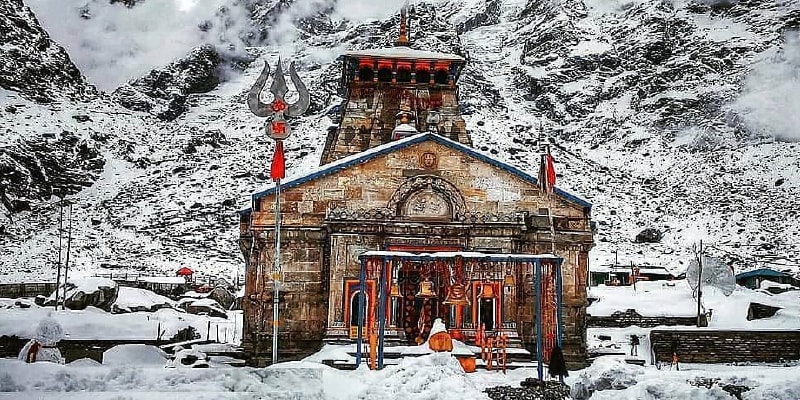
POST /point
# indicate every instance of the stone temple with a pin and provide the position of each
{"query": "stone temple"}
(399, 176)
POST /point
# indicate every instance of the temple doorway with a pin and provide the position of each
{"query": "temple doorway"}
(486, 313)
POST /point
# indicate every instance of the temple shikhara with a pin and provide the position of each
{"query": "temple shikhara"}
(404, 222)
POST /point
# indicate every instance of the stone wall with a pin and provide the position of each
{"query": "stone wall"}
(714, 346)
(623, 319)
(17, 290)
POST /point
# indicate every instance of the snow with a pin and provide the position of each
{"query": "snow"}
(93, 323)
(771, 94)
(674, 299)
(90, 285)
(133, 298)
(134, 355)
(138, 373)
(171, 280)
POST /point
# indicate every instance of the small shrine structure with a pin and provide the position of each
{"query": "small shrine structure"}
(447, 232)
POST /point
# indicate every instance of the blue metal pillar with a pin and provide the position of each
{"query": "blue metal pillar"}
(362, 295)
(538, 290)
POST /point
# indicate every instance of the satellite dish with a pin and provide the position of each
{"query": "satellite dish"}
(715, 274)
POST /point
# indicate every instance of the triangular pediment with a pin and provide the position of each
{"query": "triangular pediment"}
(402, 145)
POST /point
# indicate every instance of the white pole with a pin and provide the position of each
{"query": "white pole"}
(699, 281)
(276, 275)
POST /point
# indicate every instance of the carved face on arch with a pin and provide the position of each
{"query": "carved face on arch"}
(428, 197)
(426, 204)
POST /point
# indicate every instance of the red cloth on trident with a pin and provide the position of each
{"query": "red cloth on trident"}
(278, 168)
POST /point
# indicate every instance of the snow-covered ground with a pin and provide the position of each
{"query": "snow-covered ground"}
(434, 376)
(136, 372)
(20, 317)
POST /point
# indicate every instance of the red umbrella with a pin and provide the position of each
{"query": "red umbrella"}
(184, 271)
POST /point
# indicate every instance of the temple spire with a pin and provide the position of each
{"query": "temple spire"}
(402, 40)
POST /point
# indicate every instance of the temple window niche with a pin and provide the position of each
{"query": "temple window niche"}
(427, 204)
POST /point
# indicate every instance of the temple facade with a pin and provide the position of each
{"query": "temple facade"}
(398, 174)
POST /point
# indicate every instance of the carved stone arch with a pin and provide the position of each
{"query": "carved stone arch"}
(416, 185)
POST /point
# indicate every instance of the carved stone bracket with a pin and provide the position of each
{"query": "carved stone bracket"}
(334, 214)
(570, 224)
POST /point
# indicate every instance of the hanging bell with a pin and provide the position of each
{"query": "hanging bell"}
(457, 296)
(487, 291)
(395, 290)
(426, 289)
(508, 281)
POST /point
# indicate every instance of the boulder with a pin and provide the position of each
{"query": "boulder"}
(203, 307)
(95, 292)
(222, 296)
(649, 235)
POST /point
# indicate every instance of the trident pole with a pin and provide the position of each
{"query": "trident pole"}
(278, 129)
(276, 271)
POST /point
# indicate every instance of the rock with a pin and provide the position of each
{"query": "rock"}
(20, 205)
(33, 64)
(532, 389)
(48, 164)
(95, 292)
(649, 235)
(205, 306)
(81, 118)
(779, 182)
(163, 92)
(222, 296)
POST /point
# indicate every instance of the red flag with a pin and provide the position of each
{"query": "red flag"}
(278, 168)
(551, 171)
(547, 173)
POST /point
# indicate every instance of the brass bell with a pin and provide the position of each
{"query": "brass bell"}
(394, 291)
(508, 281)
(426, 289)
(457, 296)
(487, 291)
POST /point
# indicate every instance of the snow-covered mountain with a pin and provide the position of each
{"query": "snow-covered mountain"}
(676, 115)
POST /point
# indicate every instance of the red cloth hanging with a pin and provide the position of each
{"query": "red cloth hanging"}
(278, 168)
(547, 173)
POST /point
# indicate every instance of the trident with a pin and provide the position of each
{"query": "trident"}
(277, 129)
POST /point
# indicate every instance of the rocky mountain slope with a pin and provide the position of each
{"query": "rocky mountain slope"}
(671, 115)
